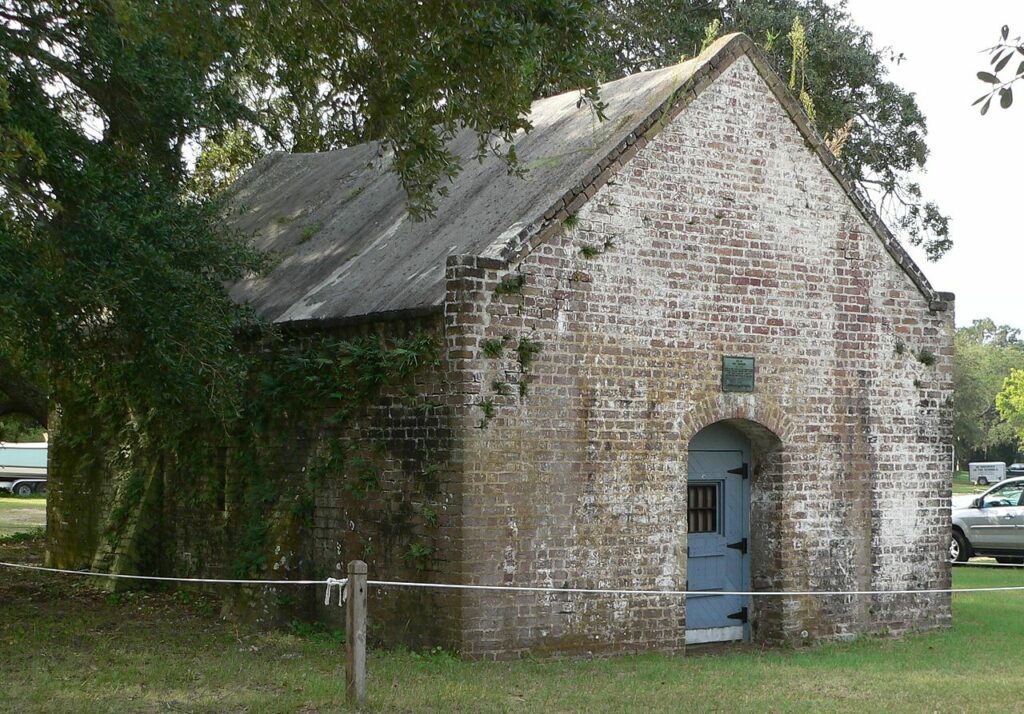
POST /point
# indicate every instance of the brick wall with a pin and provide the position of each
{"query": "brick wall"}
(725, 234)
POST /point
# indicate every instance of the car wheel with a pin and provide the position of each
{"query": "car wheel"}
(23, 489)
(1009, 560)
(982, 481)
(959, 548)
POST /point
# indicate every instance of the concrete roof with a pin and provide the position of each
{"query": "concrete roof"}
(346, 247)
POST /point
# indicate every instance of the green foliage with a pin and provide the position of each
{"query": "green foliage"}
(293, 383)
(985, 356)
(842, 71)
(798, 66)
(17, 428)
(589, 250)
(527, 349)
(309, 231)
(712, 31)
(1010, 402)
(317, 631)
(487, 407)
(926, 357)
(113, 254)
(419, 555)
(23, 536)
(511, 285)
(493, 348)
(221, 161)
(1004, 52)
(571, 221)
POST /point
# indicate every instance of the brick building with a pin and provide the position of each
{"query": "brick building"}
(683, 352)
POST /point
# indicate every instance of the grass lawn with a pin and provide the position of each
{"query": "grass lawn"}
(18, 515)
(69, 647)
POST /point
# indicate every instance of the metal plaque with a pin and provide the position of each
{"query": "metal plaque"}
(737, 374)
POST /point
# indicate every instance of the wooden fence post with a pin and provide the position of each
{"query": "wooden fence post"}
(355, 633)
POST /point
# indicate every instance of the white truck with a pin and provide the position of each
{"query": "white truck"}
(23, 468)
(985, 472)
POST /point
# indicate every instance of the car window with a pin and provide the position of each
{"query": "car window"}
(1007, 494)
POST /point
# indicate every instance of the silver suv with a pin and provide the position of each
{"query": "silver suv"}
(992, 524)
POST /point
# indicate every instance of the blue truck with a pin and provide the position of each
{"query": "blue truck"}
(23, 468)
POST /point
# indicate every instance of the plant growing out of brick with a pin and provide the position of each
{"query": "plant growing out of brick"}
(419, 555)
(492, 349)
(511, 285)
(487, 407)
(589, 250)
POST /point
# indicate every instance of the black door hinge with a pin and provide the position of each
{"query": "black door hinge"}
(741, 470)
(740, 545)
(740, 615)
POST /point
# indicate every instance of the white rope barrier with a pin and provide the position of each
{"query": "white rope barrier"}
(688, 593)
(158, 578)
(339, 583)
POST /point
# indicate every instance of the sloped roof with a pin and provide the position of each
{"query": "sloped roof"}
(346, 247)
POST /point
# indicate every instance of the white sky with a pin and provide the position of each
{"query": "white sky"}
(976, 168)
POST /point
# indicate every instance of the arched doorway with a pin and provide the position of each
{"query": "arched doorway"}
(718, 534)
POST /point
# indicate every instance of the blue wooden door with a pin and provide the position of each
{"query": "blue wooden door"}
(718, 498)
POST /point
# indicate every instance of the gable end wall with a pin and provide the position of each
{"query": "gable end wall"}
(724, 235)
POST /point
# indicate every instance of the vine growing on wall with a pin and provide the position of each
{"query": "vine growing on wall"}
(300, 383)
(293, 387)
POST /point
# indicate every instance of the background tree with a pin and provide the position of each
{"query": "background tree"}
(874, 126)
(986, 354)
(1010, 402)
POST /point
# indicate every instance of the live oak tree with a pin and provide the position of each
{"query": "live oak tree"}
(112, 257)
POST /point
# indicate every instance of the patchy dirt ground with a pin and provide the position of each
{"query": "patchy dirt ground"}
(18, 515)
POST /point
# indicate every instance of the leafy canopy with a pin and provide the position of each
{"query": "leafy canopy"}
(112, 257)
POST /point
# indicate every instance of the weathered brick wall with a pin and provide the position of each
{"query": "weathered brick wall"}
(408, 529)
(724, 235)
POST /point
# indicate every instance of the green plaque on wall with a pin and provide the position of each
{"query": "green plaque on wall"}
(737, 374)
